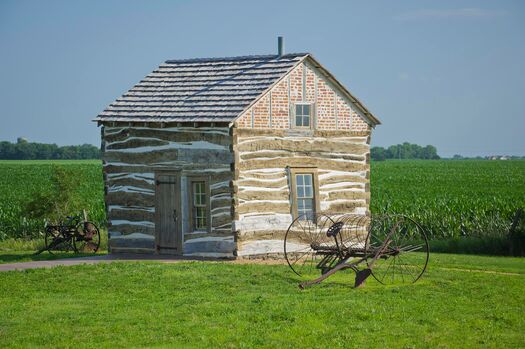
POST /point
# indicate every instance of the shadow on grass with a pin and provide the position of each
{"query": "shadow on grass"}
(28, 256)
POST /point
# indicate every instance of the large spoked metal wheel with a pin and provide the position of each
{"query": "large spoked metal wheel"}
(353, 233)
(306, 245)
(87, 238)
(397, 249)
(57, 241)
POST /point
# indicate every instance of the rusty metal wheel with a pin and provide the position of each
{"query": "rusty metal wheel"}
(306, 246)
(87, 238)
(397, 249)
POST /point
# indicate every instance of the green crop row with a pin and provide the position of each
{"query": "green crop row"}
(475, 198)
(20, 180)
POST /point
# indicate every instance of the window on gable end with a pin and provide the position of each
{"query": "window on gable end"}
(303, 115)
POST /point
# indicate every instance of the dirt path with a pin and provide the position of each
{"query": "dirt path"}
(109, 258)
(93, 260)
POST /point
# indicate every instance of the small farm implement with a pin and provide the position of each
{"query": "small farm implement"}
(391, 248)
(75, 234)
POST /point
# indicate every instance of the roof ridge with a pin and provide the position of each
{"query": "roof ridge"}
(235, 58)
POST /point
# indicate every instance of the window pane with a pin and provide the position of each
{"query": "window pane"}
(305, 195)
(200, 218)
(306, 121)
(307, 179)
(308, 192)
(306, 109)
(299, 179)
(298, 120)
(300, 191)
(308, 204)
(199, 205)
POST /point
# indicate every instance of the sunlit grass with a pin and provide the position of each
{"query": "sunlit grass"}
(462, 302)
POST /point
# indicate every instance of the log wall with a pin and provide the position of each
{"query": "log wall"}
(262, 204)
(132, 154)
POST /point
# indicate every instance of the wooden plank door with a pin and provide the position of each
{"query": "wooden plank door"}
(168, 235)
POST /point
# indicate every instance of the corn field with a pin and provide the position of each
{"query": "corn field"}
(474, 198)
(20, 180)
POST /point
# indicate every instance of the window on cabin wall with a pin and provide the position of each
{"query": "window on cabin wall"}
(199, 204)
(305, 193)
(303, 115)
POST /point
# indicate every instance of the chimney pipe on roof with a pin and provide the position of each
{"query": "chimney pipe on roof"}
(280, 46)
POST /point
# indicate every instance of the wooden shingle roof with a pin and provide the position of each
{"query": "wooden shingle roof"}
(200, 90)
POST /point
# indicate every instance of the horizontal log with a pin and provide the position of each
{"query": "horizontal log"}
(303, 162)
(349, 195)
(182, 135)
(323, 180)
(342, 187)
(254, 132)
(218, 171)
(221, 220)
(130, 199)
(131, 215)
(261, 235)
(126, 229)
(279, 183)
(141, 158)
(221, 190)
(244, 175)
(262, 195)
(221, 203)
(133, 182)
(340, 133)
(263, 206)
(216, 177)
(285, 154)
(302, 145)
(136, 143)
(204, 156)
(214, 233)
(343, 207)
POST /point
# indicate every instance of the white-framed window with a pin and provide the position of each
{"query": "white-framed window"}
(199, 206)
(199, 203)
(303, 115)
(305, 194)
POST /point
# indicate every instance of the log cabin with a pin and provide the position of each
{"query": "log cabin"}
(215, 157)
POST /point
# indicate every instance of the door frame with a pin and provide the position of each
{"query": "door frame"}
(178, 188)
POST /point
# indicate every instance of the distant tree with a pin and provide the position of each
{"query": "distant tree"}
(429, 152)
(404, 151)
(378, 153)
(24, 150)
(457, 157)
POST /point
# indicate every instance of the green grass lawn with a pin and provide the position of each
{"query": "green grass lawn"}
(463, 301)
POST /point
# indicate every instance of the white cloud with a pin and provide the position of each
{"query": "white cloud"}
(451, 13)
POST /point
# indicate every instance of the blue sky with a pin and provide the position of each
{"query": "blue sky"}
(447, 73)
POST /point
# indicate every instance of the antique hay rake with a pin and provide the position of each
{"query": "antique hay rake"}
(75, 234)
(391, 248)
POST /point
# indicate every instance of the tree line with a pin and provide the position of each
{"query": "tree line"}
(24, 150)
(404, 151)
